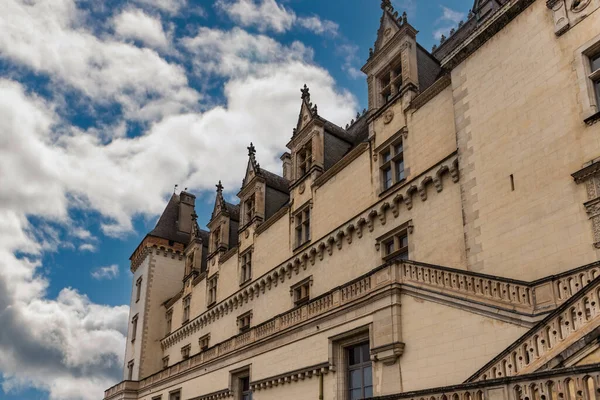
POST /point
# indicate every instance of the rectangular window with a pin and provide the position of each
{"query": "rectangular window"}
(130, 370)
(189, 264)
(394, 243)
(392, 165)
(134, 323)
(175, 395)
(185, 352)
(204, 341)
(169, 317)
(212, 290)
(244, 321)
(138, 289)
(301, 291)
(595, 76)
(165, 361)
(186, 308)
(246, 393)
(246, 267)
(216, 239)
(249, 206)
(360, 375)
(304, 159)
(302, 219)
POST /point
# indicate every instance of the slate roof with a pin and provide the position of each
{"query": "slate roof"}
(166, 227)
(275, 181)
(233, 210)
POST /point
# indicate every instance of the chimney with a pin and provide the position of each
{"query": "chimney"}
(287, 166)
(187, 202)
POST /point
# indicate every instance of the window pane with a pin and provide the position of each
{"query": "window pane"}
(365, 353)
(356, 394)
(354, 355)
(355, 379)
(399, 170)
(387, 156)
(369, 391)
(389, 247)
(367, 376)
(595, 62)
(387, 178)
(597, 84)
(403, 241)
(398, 149)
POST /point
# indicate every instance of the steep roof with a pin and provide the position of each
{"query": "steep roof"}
(275, 181)
(167, 225)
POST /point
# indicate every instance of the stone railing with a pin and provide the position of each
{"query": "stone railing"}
(525, 297)
(532, 298)
(345, 294)
(122, 387)
(575, 383)
(575, 318)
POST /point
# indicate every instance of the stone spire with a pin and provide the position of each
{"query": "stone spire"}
(305, 93)
(252, 155)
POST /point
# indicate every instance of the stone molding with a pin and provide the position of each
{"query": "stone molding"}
(221, 394)
(432, 91)
(510, 10)
(590, 175)
(577, 316)
(291, 376)
(565, 16)
(552, 384)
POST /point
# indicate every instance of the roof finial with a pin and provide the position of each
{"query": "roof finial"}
(305, 93)
(404, 18)
(175, 188)
(386, 4)
(252, 155)
(251, 150)
(219, 188)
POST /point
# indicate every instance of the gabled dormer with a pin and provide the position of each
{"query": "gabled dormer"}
(391, 69)
(223, 225)
(196, 252)
(263, 193)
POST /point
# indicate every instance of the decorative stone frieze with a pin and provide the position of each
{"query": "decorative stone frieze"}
(568, 13)
(590, 175)
(291, 377)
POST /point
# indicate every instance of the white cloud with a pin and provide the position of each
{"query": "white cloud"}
(448, 20)
(47, 37)
(319, 26)
(169, 6)
(137, 25)
(268, 15)
(68, 345)
(109, 272)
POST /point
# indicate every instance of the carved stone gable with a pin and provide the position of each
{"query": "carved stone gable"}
(219, 201)
(388, 27)
(253, 167)
(307, 111)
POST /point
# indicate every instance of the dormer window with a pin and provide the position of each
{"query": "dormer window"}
(390, 83)
(392, 165)
(304, 159)
(216, 238)
(249, 209)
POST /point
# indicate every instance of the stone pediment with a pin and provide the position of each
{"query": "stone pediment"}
(389, 25)
(308, 111)
(253, 167)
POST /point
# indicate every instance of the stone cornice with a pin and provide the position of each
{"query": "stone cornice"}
(483, 33)
(220, 394)
(157, 249)
(291, 376)
(583, 174)
(432, 91)
(272, 219)
(592, 119)
(401, 197)
(340, 165)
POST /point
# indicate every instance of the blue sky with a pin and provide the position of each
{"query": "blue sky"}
(105, 106)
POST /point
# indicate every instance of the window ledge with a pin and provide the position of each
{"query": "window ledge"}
(246, 282)
(592, 119)
(302, 246)
(391, 188)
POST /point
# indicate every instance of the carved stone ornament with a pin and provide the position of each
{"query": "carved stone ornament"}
(302, 188)
(590, 176)
(579, 5)
(388, 116)
(387, 32)
(559, 11)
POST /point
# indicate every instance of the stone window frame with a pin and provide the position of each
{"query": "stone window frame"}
(396, 158)
(304, 158)
(169, 320)
(186, 351)
(244, 322)
(589, 81)
(297, 289)
(134, 325)
(389, 82)
(189, 263)
(391, 240)
(175, 394)
(204, 342)
(165, 362)
(138, 289)
(235, 381)
(215, 239)
(186, 304)
(365, 363)
(249, 208)
(245, 265)
(302, 225)
(211, 290)
(130, 365)
(159, 397)
(338, 356)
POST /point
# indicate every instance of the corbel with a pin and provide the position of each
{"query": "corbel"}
(321, 250)
(360, 223)
(312, 256)
(382, 212)
(349, 231)
(371, 221)
(339, 239)
(454, 171)
(330, 242)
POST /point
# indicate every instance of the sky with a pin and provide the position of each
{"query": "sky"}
(105, 106)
